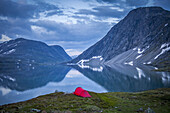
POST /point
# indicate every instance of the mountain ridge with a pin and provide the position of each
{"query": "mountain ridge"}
(30, 50)
(143, 28)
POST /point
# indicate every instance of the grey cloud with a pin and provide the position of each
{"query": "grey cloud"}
(12, 9)
(163, 3)
(109, 1)
(137, 3)
(55, 12)
(66, 32)
(127, 2)
(11, 27)
(43, 6)
(103, 11)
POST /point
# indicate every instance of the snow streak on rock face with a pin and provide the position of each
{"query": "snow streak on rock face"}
(8, 77)
(140, 51)
(138, 56)
(164, 48)
(166, 24)
(9, 52)
(129, 63)
(87, 60)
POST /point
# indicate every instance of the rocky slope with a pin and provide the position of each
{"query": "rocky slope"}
(142, 37)
(29, 51)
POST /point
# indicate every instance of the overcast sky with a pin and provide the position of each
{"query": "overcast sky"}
(73, 24)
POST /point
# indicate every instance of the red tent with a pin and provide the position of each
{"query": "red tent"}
(81, 92)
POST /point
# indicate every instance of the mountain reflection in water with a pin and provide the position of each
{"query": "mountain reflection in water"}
(126, 78)
(28, 82)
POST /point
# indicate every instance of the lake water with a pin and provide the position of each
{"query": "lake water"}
(28, 82)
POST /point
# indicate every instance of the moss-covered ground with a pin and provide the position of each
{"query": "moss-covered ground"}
(157, 100)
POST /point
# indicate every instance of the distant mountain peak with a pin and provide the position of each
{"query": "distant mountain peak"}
(27, 50)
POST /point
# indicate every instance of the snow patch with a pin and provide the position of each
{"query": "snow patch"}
(5, 90)
(140, 72)
(99, 69)
(134, 49)
(162, 52)
(156, 68)
(9, 52)
(9, 78)
(149, 62)
(149, 78)
(129, 63)
(165, 77)
(140, 51)
(135, 77)
(166, 24)
(83, 61)
(87, 60)
(164, 45)
(138, 56)
(96, 57)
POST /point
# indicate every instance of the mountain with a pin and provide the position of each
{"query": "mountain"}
(62, 52)
(29, 51)
(142, 37)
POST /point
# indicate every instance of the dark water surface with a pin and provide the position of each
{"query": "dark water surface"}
(28, 82)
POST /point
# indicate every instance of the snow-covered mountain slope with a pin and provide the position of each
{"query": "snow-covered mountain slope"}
(148, 55)
(142, 37)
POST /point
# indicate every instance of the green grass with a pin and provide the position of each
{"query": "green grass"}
(120, 102)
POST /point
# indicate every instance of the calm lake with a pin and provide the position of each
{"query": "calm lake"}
(33, 80)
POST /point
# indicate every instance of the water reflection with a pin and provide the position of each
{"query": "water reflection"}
(26, 82)
(126, 78)
(29, 78)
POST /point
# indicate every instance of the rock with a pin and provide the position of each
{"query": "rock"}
(133, 97)
(149, 110)
(119, 110)
(140, 110)
(43, 111)
(35, 110)
(56, 91)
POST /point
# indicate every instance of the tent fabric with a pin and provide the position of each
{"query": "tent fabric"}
(81, 92)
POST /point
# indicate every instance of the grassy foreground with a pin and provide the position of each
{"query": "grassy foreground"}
(157, 100)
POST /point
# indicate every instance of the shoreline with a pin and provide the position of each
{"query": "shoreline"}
(157, 100)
